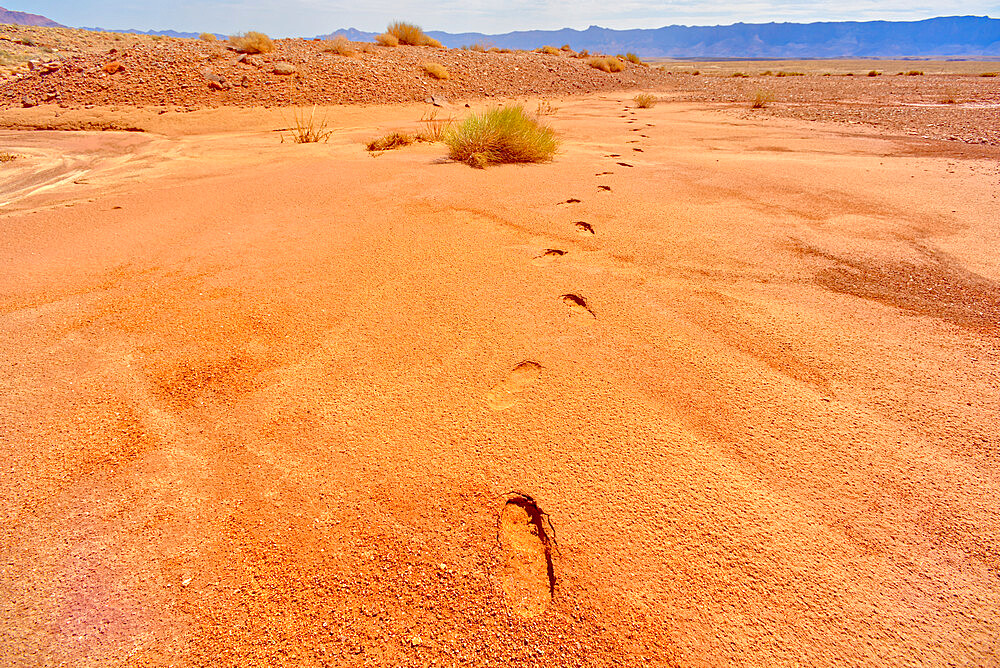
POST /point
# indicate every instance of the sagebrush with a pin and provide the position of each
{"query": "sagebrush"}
(252, 42)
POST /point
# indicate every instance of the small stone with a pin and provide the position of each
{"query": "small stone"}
(113, 67)
(28, 101)
(284, 69)
(242, 58)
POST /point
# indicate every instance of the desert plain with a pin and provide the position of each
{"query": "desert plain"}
(715, 387)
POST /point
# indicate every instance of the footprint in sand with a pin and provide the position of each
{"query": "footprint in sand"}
(571, 200)
(584, 228)
(578, 305)
(548, 256)
(603, 173)
(506, 394)
(639, 150)
(644, 136)
(525, 571)
(650, 125)
(613, 155)
(606, 188)
(625, 164)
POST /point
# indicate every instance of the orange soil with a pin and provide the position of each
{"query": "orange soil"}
(265, 403)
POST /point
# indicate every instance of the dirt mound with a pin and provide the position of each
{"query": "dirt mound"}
(196, 73)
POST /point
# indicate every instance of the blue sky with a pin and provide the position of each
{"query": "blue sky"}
(311, 17)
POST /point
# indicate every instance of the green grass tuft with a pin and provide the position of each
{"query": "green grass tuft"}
(501, 135)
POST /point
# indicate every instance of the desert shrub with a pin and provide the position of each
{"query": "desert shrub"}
(386, 39)
(308, 130)
(565, 47)
(740, 75)
(632, 58)
(990, 74)
(339, 45)
(545, 108)
(761, 99)
(696, 73)
(480, 48)
(645, 101)
(915, 73)
(874, 73)
(207, 37)
(583, 54)
(437, 70)
(607, 64)
(494, 49)
(410, 34)
(252, 42)
(767, 73)
(549, 50)
(789, 74)
(501, 135)
(7, 157)
(849, 74)
(390, 141)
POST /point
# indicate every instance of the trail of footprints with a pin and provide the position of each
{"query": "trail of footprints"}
(524, 534)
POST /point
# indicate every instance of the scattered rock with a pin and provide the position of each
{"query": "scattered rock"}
(284, 69)
(242, 58)
(29, 101)
(113, 67)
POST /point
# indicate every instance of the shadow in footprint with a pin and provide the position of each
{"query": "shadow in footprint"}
(578, 305)
(639, 150)
(613, 155)
(584, 228)
(603, 173)
(525, 571)
(506, 394)
(548, 256)
(606, 188)
(625, 164)
(571, 200)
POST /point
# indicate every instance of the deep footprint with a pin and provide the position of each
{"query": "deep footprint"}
(603, 173)
(578, 305)
(506, 394)
(584, 228)
(639, 150)
(607, 188)
(526, 574)
(571, 200)
(613, 155)
(625, 164)
(548, 256)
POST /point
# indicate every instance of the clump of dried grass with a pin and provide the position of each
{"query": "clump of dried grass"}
(339, 45)
(308, 130)
(437, 70)
(207, 37)
(549, 50)
(632, 58)
(252, 42)
(607, 64)
(390, 141)
(411, 35)
(761, 99)
(645, 101)
(501, 135)
(387, 39)
(434, 127)
(7, 157)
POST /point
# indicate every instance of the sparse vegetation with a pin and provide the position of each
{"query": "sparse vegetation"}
(632, 58)
(502, 135)
(874, 73)
(607, 64)
(645, 101)
(915, 73)
(761, 99)
(252, 42)
(740, 75)
(549, 50)
(391, 141)
(990, 74)
(339, 45)
(207, 37)
(565, 47)
(782, 73)
(410, 34)
(7, 157)
(308, 130)
(437, 70)
(386, 39)
(545, 108)
(949, 97)
(434, 127)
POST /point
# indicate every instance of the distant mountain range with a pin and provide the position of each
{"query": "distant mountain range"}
(24, 19)
(943, 37)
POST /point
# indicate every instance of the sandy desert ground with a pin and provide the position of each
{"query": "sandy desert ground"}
(278, 404)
